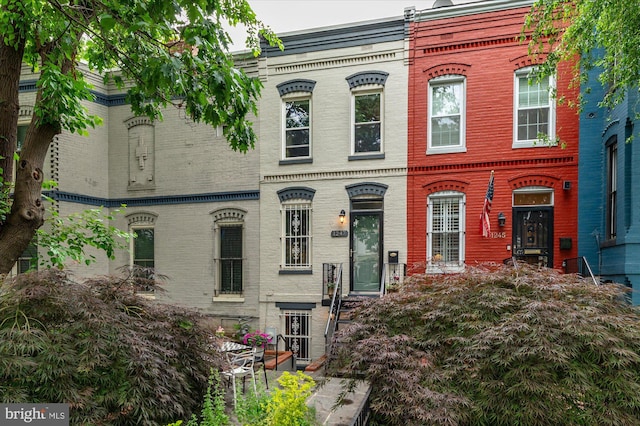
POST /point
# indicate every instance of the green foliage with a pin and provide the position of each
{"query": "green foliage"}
(287, 405)
(504, 347)
(600, 33)
(212, 413)
(251, 407)
(68, 237)
(116, 358)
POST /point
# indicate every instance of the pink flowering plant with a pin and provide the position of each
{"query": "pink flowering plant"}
(257, 339)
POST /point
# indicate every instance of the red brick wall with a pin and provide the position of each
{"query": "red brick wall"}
(483, 47)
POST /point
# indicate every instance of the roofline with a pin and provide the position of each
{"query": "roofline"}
(338, 36)
(482, 6)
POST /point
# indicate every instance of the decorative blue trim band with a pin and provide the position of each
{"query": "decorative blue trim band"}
(26, 86)
(297, 85)
(367, 77)
(154, 201)
(366, 188)
(296, 193)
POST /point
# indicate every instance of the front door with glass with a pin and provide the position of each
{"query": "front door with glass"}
(366, 251)
(533, 235)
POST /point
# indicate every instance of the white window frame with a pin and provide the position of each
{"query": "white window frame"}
(289, 238)
(536, 142)
(533, 190)
(363, 91)
(299, 340)
(435, 265)
(447, 80)
(296, 98)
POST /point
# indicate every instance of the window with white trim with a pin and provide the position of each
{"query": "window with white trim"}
(446, 114)
(297, 128)
(534, 121)
(296, 235)
(445, 231)
(366, 133)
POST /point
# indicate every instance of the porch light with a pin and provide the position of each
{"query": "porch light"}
(502, 220)
(342, 215)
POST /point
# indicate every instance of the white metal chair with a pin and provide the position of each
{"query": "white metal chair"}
(240, 365)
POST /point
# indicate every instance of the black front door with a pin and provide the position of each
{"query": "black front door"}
(533, 235)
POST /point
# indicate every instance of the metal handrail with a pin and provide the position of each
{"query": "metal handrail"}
(383, 279)
(336, 301)
(582, 267)
(584, 259)
(286, 348)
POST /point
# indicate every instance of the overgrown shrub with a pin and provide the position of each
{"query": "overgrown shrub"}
(287, 405)
(115, 357)
(512, 346)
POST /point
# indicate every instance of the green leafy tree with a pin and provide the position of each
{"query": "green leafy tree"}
(166, 53)
(515, 346)
(600, 33)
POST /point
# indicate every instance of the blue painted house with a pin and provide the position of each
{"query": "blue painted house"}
(609, 187)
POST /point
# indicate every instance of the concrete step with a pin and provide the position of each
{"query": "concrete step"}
(284, 360)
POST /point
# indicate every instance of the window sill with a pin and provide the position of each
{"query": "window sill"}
(444, 269)
(366, 156)
(295, 272)
(608, 243)
(447, 150)
(287, 161)
(229, 299)
(533, 144)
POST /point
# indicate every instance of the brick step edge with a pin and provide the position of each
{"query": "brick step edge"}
(316, 364)
(270, 358)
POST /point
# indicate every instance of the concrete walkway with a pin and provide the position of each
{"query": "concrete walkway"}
(323, 399)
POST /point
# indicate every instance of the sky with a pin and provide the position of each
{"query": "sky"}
(292, 15)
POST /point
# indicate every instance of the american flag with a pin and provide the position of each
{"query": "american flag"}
(485, 223)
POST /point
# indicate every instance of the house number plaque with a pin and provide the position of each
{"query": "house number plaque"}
(339, 233)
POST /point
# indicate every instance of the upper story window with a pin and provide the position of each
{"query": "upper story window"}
(534, 121)
(612, 188)
(367, 123)
(447, 114)
(297, 139)
(367, 113)
(446, 231)
(296, 120)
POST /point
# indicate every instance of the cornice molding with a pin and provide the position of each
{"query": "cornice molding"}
(335, 175)
(336, 37)
(466, 9)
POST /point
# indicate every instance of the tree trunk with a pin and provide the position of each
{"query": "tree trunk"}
(11, 238)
